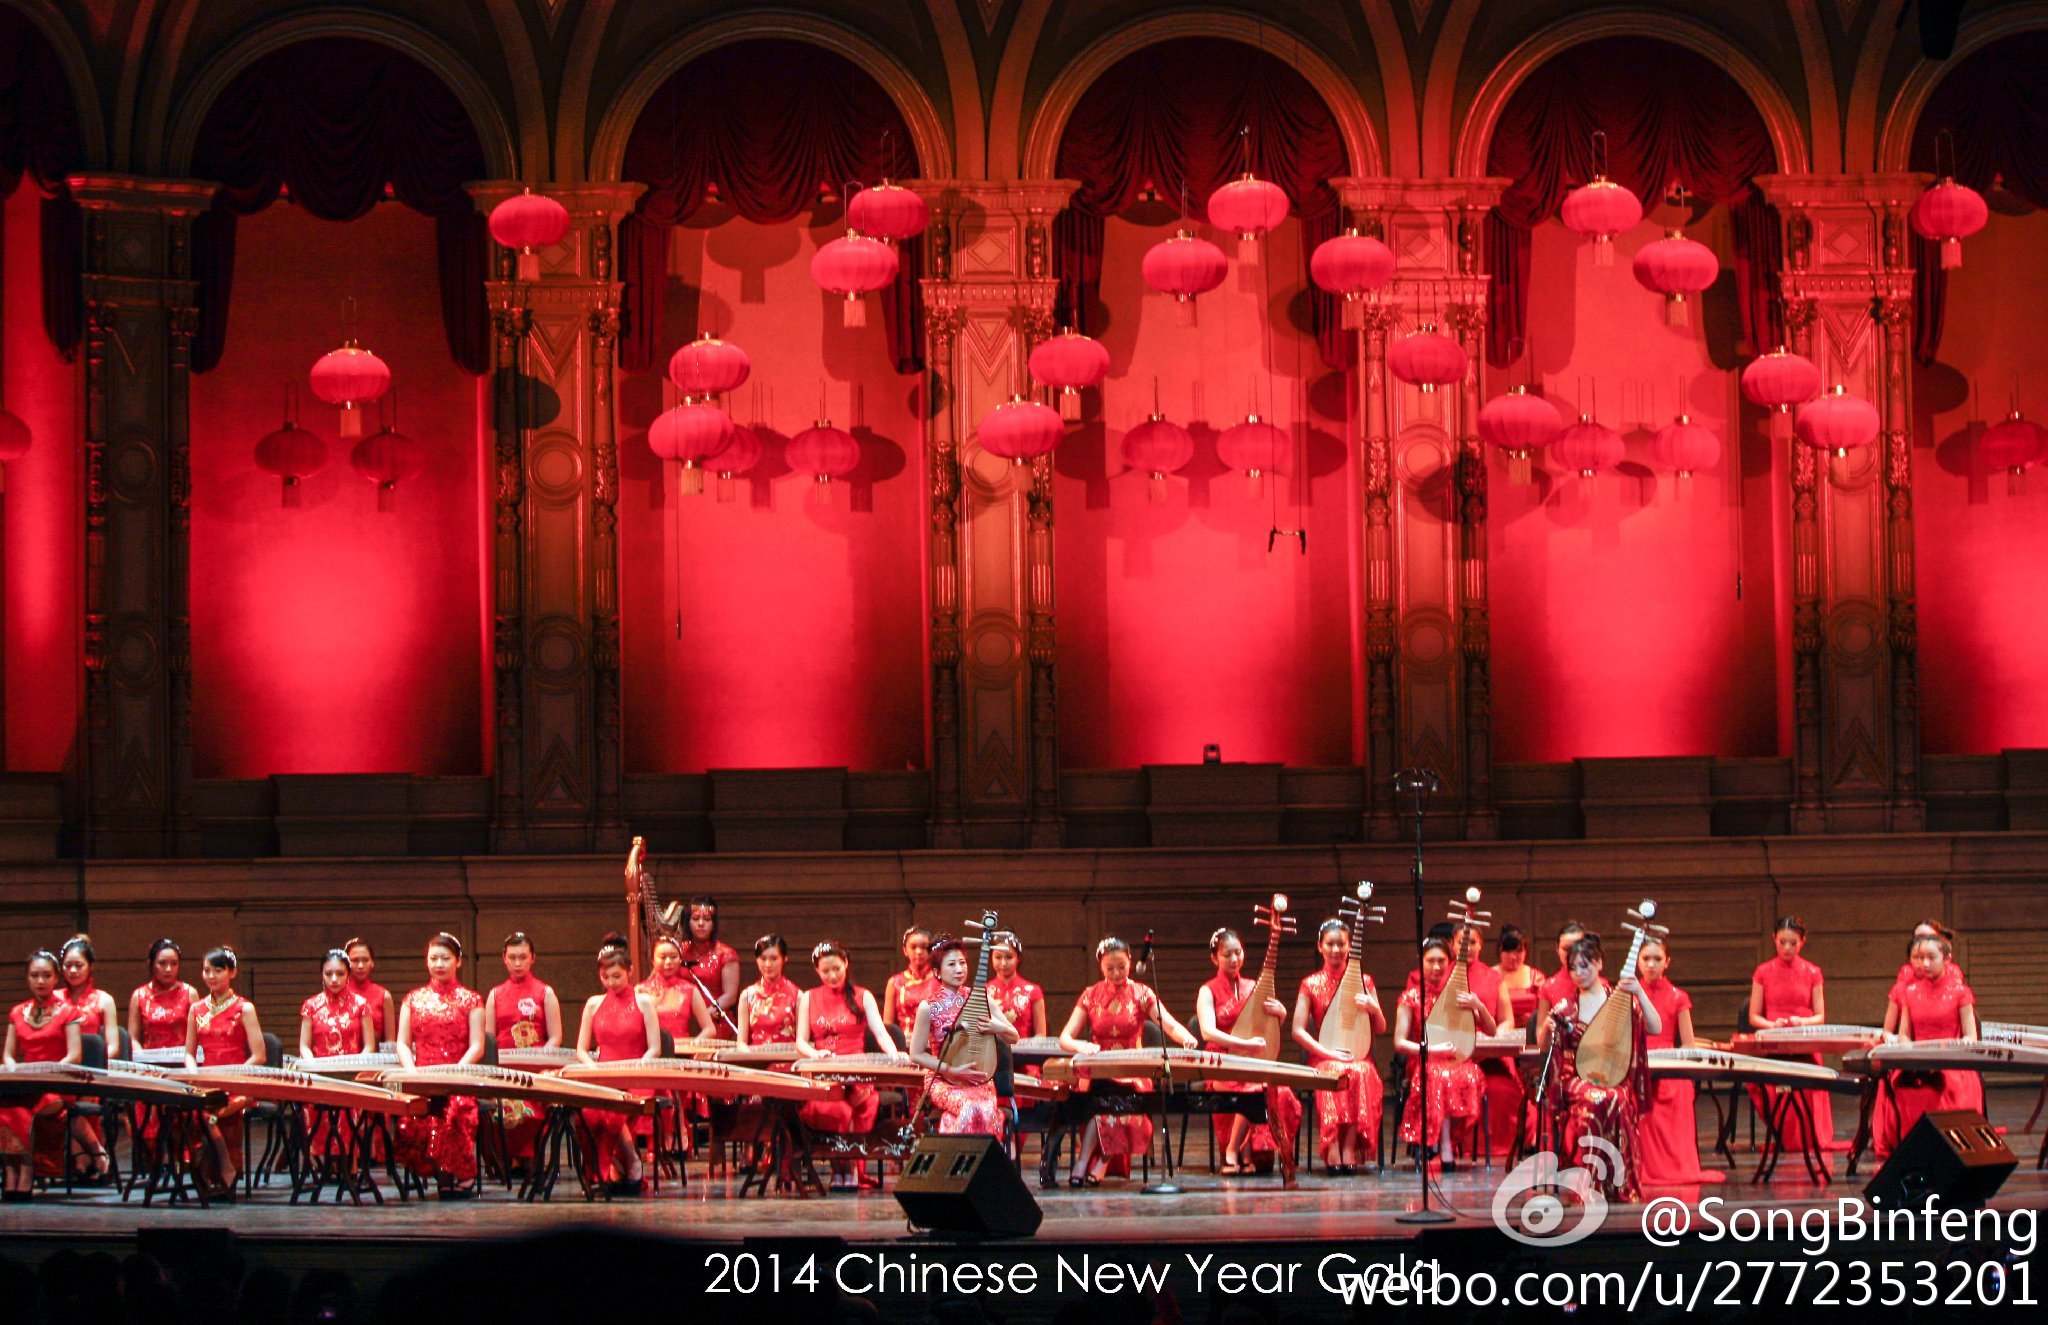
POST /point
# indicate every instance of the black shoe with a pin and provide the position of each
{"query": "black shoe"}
(17, 1198)
(623, 1187)
(465, 1193)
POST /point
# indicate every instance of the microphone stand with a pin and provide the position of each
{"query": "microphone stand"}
(711, 1001)
(1166, 1186)
(1421, 783)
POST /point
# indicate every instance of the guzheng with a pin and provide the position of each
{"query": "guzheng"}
(705, 1048)
(1027, 1089)
(1700, 1064)
(2013, 1032)
(758, 1055)
(343, 1065)
(504, 1083)
(29, 1080)
(536, 1060)
(866, 1069)
(171, 1057)
(692, 1076)
(1949, 1055)
(1823, 1039)
(1188, 1064)
(1037, 1049)
(290, 1086)
(1510, 1045)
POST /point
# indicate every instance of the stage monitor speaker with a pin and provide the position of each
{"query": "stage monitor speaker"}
(1954, 1156)
(966, 1186)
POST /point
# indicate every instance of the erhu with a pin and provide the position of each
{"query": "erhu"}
(1343, 1025)
(1608, 1048)
(1451, 1028)
(1252, 1019)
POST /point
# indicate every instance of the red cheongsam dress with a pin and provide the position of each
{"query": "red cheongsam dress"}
(619, 1033)
(337, 1026)
(1015, 998)
(963, 1110)
(521, 1009)
(19, 1135)
(1592, 1110)
(1789, 989)
(374, 994)
(910, 991)
(443, 1143)
(771, 1011)
(1668, 1142)
(1283, 1106)
(1455, 1085)
(675, 1003)
(1116, 1015)
(92, 1020)
(1934, 1011)
(1358, 1101)
(708, 961)
(223, 1042)
(839, 1025)
(164, 1012)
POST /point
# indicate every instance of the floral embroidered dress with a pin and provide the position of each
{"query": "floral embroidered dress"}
(164, 1013)
(963, 1110)
(521, 1009)
(910, 989)
(771, 1010)
(442, 1143)
(1591, 1109)
(839, 1025)
(1117, 1013)
(39, 1037)
(1357, 1103)
(223, 1042)
(336, 1022)
(1015, 998)
(1454, 1087)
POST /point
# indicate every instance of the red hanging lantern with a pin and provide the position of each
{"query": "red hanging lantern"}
(527, 221)
(1778, 381)
(690, 434)
(1428, 359)
(15, 439)
(825, 453)
(1589, 447)
(1949, 213)
(708, 366)
(1184, 267)
(1255, 447)
(1838, 422)
(1675, 267)
(888, 211)
(1351, 265)
(1071, 362)
(739, 457)
(1157, 448)
(293, 454)
(350, 378)
(1602, 209)
(2012, 444)
(1248, 207)
(1519, 424)
(387, 458)
(852, 265)
(1685, 448)
(1019, 430)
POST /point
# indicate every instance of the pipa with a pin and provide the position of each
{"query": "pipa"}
(1344, 1026)
(965, 1046)
(1608, 1048)
(1252, 1018)
(1450, 1028)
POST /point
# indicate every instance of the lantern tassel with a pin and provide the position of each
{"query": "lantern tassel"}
(1684, 485)
(351, 421)
(1184, 311)
(1248, 250)
(1677, 312)
(725, 487)
(1354, 315)
(1070, 404)
(692, 482)
(1781, 424)
(387, 497)
(854, 312)
(1254, 483)
(1603, 251)
(821, 490)
(1951, 253)
(290, 497)
(1155, 488)
(1519, 469)
(2015, 481)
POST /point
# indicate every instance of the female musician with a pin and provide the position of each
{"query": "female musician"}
(362, 966)
(336, 1021)
(1217, 1005)
(222, 1031)
(41, 1029)
(715, 963)
(1113, 1011)
(678, 1005)
(1934, 1005)
(618, 1025)
(838, 1017)
(439, 1023)
(1590, 1109)
(1022, 1002)
(522, 1012)
(965, 1095)
(97, 1015)
(1561, 985)
(1501, 1077)
(1454, 1084)
(1518, 979)
(157, 1010)
(1348, 1118)
(912, 985)
(1786, 991)
(768, 1006)
(1950, 971)
(1668, 1142)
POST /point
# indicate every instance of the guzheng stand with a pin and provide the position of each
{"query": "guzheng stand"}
(1166, 1186)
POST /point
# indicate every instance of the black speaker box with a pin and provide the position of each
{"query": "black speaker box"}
(966, 1186)
(1954, 1156)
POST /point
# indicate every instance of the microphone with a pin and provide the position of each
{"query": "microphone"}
(1413, 781)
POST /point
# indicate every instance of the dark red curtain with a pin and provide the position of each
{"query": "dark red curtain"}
(342, 124)
(1995, 106)
(39, 138)
(1671, 117)
(1171, 115)
(770, 124)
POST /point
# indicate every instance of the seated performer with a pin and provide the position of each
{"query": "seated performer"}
(768, 1006)
(712, 961)
(912, 985)
(1455, 1085)
(618, 1025)
(1021, 1001)
(1560, 985)
(1934, 1005)
(1348, 1118)
(440, 1023)
(41, 1029)
(1520, 984)
(522, 1012)
(838, 1017)
(1114, 1011)
(332, 1023)
(679, 1004)
(1588, 1108)
(1787, 991)
(222, 1031)
(1668, 1142)
(965, 1096)
(1951, 970)
(97, 1015)
(157, 1010)
(362, 970)
(1217, 1005)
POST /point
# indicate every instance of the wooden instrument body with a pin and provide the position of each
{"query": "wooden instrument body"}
(279, 1085)
(965, 1047)
(1701, 1064)
(1253, 1020)
(536, 1060)
(343, 1065)
(506, 1084)
(1607, 1050)
(865, 1069)
(758, 1055)
(717, 1080)
(2015, 1032)
(1820, 1039)
(1950, 1055)
(1191, 1064)
(1452, 1029)
(1344, 1025)
(33, 1080)
(1512, 1045)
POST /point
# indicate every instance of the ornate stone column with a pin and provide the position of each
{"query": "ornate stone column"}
(1426, 647)
(1848, 287)
(142, 313)
(995, 718)
(555, 573)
